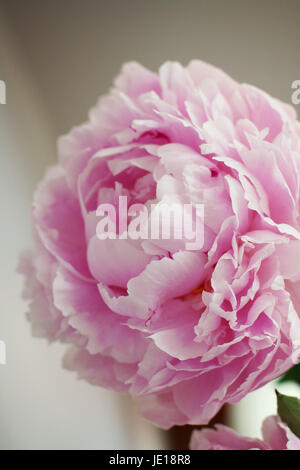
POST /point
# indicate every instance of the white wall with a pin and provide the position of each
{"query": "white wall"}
(42, 406)
(247, 415)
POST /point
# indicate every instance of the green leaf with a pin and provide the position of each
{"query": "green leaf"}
(289, 411)
(292, 375)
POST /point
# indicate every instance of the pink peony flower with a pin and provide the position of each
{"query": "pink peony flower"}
(276, 436)
(182, 331)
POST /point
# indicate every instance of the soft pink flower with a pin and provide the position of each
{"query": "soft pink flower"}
(276, 436)
(182, 332)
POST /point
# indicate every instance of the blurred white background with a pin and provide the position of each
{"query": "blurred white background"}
(41, 405)
(56, 57)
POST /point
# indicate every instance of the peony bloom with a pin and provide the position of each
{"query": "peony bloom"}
(276, 436)
(183, 331)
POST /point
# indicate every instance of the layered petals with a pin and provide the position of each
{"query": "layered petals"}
(276, 436)
(182, 329)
